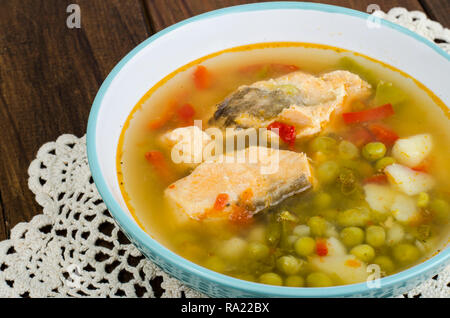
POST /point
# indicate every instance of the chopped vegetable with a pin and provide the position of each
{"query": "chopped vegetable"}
(441, 210)
(318, 280)
(378, 179)
(395, 234)
(352, 236)
(405, 253)
(158, 162)
(348, 150)
(295, 281)
(387, 93)
(363, 252)
(361, 136)
(335, 247)
(271, 279)
(404, 208)
(374, 151)
(385, 264)
(233, 248)
(301, 230)
(321, 247)
(353, 263)
(372, 114)
(407, 180)
(322, 200)
(285, 131)
(289, 264)
(305, 246)
(258, 251)
(202, 77)
(347, 179)
(383, 134)
(327, 172)
(413, 150)
(423, 199)
(186, 114)
(375, 235)
(323, 144)
(383, 163)
(353, 217)
(379, 197)
(221, 201)
(318, 225)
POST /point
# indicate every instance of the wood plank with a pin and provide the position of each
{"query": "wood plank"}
(49, 75)
(438, 10)
(163, 13)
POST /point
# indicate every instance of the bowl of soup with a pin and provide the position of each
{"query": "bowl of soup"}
(280, 149)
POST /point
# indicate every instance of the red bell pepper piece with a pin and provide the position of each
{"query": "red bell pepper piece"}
(202, 77)
(376, 113)
(286, 132)
(383, 134)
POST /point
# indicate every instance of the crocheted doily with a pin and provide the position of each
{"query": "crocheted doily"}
(75, 248)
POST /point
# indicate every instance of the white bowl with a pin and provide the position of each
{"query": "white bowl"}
(191, 39)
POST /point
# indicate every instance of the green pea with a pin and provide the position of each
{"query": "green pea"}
(364, 252)
(423, 232)
(440, 209)
(423, 199)
(385, 264)
(289, 264)
(405, 253)
(348, 150)
(305, 246)
(327, 172)
(271, 279)
(352, 236)
(257, 250)
(329, 214)
(375, 235)
(317, 225)
(323, 144)
(383, 163)
(374, 151)
(295, 281)
(353, 217)
(322, 200)
(318, 280)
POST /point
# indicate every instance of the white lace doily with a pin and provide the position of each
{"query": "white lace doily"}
(75, 248)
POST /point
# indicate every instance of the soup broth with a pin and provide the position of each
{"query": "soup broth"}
(380, 172)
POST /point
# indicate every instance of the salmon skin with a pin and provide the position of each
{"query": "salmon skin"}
(298, 98)
(244, 185)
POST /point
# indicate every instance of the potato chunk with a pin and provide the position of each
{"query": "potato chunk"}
(407, 180)
(413, 150)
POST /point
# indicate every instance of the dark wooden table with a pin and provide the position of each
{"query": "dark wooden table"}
(49, 74)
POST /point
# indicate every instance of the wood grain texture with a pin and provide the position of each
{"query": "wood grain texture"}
(49, 75)
(438, 10)
(164, 13)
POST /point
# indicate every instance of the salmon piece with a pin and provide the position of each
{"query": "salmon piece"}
(247, 180)
(300, 99)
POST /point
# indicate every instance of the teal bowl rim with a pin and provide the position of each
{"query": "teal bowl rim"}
(132, 229)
